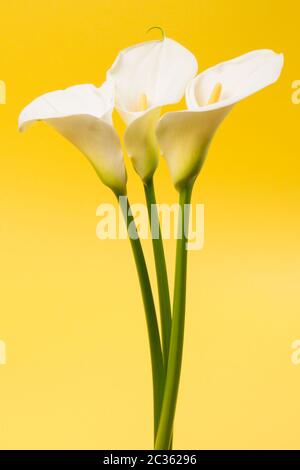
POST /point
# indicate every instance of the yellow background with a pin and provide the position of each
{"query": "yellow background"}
(78, 373)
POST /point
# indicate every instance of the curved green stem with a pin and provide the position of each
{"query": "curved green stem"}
(161, 270)
(165, 429)
(151, 319)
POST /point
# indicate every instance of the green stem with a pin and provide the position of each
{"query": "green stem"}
(161, 270)
(151, 319)
(165, 429)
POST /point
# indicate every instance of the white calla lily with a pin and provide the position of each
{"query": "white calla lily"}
(146, 77)
(83, 115)
(184, 136)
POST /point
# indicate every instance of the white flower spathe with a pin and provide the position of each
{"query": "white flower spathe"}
(146, 77)
(184, 136)
(83, 115)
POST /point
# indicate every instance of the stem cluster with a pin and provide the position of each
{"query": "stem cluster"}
(166, 348)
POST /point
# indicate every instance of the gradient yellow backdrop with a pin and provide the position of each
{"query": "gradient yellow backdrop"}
(78, 373)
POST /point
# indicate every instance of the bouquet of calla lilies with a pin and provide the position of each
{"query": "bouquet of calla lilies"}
(143, 79)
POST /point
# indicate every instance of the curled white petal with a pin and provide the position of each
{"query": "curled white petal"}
(141, 143)
(239, 78)
(158, 69)
(184, 136)
(83, 115)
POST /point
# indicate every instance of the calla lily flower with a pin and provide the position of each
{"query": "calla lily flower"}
(83, 115)
(146, 77)
(184, 136)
